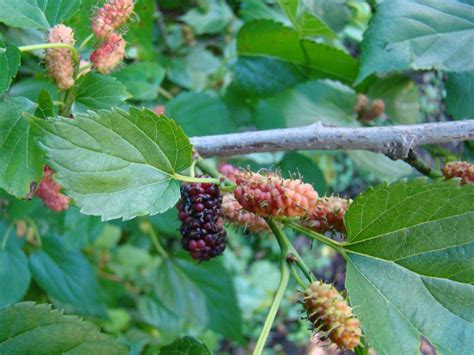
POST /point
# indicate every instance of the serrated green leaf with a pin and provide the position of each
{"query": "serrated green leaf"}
(273, 39)
(142, 80)
(14, 273)
(40, 14)
(45, 107)
(200, 114)
(460, 94)
(418, 34)
(262, 77)
(9, 63)
(26, 326)
(67, 277)
(185, 346)
(117, 164)
(96, 92)
(400, 96)
(410, 272)
(21, 161)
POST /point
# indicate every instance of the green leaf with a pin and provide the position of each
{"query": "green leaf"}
(40, 14)
(185, 346)
(459, 95)
(200, 114)
(21, 161)
(320, 100)
(216, 284)
(79, 229)
(45, 107)
(127, 161)
(400, 96)
(211, 19)
(418, 34)
(67, 277)
(96, 92)
(141, 33)
(262, 77)
(9, 63)
(257, 9)
(36, 329)
(410, 272)
(141, 80)
(155, 313)
(14, 273)
(335, 13)
(271, 39)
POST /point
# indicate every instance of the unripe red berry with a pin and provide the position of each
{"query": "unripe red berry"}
(331, 316)
(460, 169)
(59, 61)
(234, 213)
(109, 54)
(273, 196)
(49, 191)
(113, 15)
(159, 109)
(328, 215)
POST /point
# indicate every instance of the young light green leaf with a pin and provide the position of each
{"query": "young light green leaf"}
(40, 14)
(117, 164)
(419, 34)
(410, 272)
(45, 107)
(142, 80)
(185, 346)
(211, 19)
(21, 161)
(67, 277)
(273, 39)
(97, 92)
(9, 64)
(14, 272)
(459, 95)
(26, 326)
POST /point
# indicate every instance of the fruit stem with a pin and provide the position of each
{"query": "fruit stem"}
(35, 47)
(165, 93)
(85, 41)
(297, 277)
(195, 179)
(146, 227)
(226, 186)
(314, 235)
(6, 236)
(284, 278)
(420, 166)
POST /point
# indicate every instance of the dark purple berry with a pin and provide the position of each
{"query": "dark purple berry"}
(202, 225)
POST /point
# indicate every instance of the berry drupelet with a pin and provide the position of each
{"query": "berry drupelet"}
(202, 228)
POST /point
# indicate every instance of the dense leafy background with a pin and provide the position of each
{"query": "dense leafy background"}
(214, 67)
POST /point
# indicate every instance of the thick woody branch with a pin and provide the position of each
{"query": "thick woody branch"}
(394, 141)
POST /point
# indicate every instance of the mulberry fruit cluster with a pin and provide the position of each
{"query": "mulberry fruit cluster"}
(368, 111)
(109, 54)
(113, 15)
(202, 224)
(235, 214)
(331, 316)
(460, 169)
(328, 215)
(59, 61)
(50, 192)
(272, 196)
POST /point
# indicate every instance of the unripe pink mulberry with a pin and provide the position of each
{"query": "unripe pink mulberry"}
(113, 15)
(109, 54)
(59, 61)
(159, 110)
(328, 215)
(272, 195)
(230, 171)
(331, 316)
(460, 169)
(49, 191)
(234, 213)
